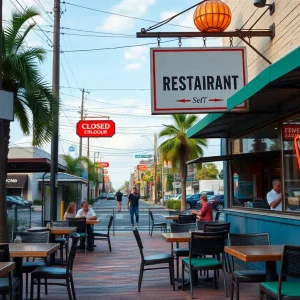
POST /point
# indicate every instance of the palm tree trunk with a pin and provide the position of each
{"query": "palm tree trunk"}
(183, 172)
(3, 208)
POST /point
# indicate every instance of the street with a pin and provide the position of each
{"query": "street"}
(104, 209)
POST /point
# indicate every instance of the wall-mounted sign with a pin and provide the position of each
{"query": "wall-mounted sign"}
(103, 164)
(289, 131)
(142, 167)
(95, 128)
(191, 80)
(143, 156)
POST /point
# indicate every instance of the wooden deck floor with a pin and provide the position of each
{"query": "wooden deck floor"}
(104, 275)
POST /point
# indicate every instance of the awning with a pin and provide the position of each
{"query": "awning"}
(208, 159)
(31, 165)
(275, 92)
(64, 178)
(16, 181)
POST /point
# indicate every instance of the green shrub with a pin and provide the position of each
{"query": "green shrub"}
(91, 201)
(37, 202)
(173, 204)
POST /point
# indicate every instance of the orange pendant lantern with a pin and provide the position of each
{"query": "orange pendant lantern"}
(212, 16)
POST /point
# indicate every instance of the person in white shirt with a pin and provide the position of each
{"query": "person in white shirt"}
(274, 197)
(88, 213)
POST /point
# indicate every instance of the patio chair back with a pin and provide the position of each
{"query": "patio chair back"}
(182, 227)
(237, 239)
(79, 223)
(151, 216)
(63, 223)
(217, 216)
(200, 224)
(74, 237)
(33, 236)
(4, 253)
(184, 219)
(139, 242)
(217, 227)
(207, 243)
(111, 219)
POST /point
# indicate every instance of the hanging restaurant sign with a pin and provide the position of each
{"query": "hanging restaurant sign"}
(95, 128)
(191, 80)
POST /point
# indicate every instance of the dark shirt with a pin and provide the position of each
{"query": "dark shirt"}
(119, 196)
(134, 200)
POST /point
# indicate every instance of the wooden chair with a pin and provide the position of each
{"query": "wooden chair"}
(162, 226)
(157, 259)
(104, 236)
(239, 276)
(50, 273)
(8, 285)
(204, 244)
(290, 268)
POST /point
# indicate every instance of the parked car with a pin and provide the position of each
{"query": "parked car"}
(208, 193)
(103, 196)
(26, 202)
(166, 197)
(217, 202)
(110, 196)
(192, 201)
(12, 202)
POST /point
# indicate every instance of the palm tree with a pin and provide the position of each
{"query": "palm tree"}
(179, 149)
(34, 104)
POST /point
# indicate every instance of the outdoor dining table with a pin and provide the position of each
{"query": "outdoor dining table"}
(6, 267)
(259, 253)
(92, 222)
(177, 237)
(18, 251)
(56, 230)
(172, 217)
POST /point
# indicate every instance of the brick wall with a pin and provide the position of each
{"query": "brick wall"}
(287, 36)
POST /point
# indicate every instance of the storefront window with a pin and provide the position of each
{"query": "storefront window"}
(253, 173)
(291, 159)
(265, 139)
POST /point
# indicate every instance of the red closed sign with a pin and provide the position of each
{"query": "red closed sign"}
(142, 167)
(95, 128)
(103, 164)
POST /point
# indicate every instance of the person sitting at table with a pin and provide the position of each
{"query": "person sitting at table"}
(205, 214)
(70, 211)
(274, 197)
(88, 213)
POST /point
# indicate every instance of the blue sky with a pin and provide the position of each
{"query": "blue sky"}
(126, 68)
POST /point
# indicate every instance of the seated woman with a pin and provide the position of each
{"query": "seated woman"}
(205, 214)
(70, 211)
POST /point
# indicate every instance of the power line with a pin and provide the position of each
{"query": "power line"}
(120, 15)
(107, 89)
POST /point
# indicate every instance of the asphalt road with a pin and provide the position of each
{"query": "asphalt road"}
(104, 209)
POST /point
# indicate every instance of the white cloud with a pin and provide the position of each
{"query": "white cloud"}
(132, 67)
(136, 8)
(136, 53)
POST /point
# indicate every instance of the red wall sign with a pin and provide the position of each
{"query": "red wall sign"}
(105, 171)
(289, 131)
(103, 164)
(95, 128)
(142, 167)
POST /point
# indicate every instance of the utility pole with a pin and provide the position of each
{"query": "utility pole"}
(155, 168)
(81, 118)
(55, 91)
(3, 212)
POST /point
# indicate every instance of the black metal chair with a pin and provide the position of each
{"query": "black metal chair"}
(50, 273)
(186, 219)
(217, 216)
(8, 285)
(62, 241)
(174, 212)
(39, 236)
(152, 260)
(104, 236)
(290, 268)
(246, 275)
(162, 226)
(181, 252)
(203, 244)
(80, 224)
(200, 224)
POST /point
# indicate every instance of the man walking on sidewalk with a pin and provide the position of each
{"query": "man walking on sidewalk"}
(119, 196)
(133, 206)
